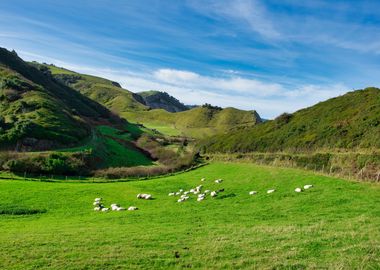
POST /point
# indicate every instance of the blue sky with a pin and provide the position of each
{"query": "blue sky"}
(271, 56)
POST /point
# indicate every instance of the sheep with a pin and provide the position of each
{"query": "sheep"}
(252, 192)
(97, 199)
(200, 199)
(192, 190)
(218, 181)
(298, 190)
(120, 209)
(105, 209)
(271, 191)
(207, 191)
(144, 196)
(114, 207)
(213, 194)
(97, 208)
(203, 179)
(186, 192)
(181, 190)
(132, 208)
(201, 195)
(307, 186)
(171, 194)
(96, 203)
(178, 193)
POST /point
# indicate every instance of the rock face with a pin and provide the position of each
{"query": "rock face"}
(161, 100)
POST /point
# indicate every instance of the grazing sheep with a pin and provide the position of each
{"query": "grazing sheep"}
(200, 199)
(120, 209)
(218, 181)
(213, 194)
(307, 186)
(181, 190)
(252, 192)
(98, 199)
(171, 194)
(203, 179)
(192, 190)
(207, 191)
(298, 190)
(97, 208)
(96, 203)
(144, 196)
(178, 193)
(105, 209)
(271, 191)
(201, 195)
(186, 192)
(132, 208)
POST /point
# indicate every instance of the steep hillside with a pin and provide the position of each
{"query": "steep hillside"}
(349, 121)
(162, 100)
(198, 122)
(37, 112)
(106, 92)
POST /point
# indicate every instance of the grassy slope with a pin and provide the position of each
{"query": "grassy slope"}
(156, 99)
(34, 105)
(198, 122)
(349, 121)
(335, 225)
(101, 90)
(115, 149)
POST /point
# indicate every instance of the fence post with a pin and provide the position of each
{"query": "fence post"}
(378, 176)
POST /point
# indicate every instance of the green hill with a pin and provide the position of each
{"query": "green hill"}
(106, 92)
(198, 122)
(162, 100)
(350, 121)
(37, 112)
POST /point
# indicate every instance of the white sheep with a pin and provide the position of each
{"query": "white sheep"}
(181, 190)
(97, 199)
(96, 203)
(203, 179)
(271, 191)
(186, 192)
(120, 209)
(178, 193)
(144, 196)
(132, 208)
(171, 194)
(213, 194)
(218, 181)
(252, 192)
(307, 186)
(298, 190)
(201, 195)
(200, 199)
(207, 191)
(105, 209)
(192, 190)
(97, 208)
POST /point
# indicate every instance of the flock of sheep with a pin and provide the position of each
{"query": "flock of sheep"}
(99, 206)
(184, 195)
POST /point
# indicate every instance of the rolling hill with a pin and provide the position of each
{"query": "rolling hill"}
(162, 100)
(198, 122)
(154, 109)
(350, 121)
(37, 112)
(106, 92)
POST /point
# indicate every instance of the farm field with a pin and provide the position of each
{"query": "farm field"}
(334, 225)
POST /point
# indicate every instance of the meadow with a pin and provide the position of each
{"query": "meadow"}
(334, 225)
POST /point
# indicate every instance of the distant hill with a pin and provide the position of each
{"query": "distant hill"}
(162, 100)
(198, 122)
(350, 121)
(38, 112)
(106, 92)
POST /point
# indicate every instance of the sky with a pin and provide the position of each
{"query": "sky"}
(270, 56)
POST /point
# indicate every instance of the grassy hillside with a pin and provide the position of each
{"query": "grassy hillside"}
(334, 225)
(198, 122)
(162, 100)
(36, 112)
(350, 121)
(106, 92)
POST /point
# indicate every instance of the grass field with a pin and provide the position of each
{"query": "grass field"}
(334, 225)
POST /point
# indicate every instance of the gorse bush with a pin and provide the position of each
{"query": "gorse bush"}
(54, 163)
